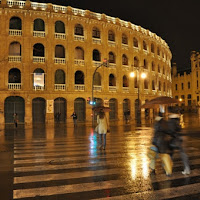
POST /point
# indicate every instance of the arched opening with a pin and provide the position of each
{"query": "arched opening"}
(38, 110)
(112, 80)
(97, 79)
(14, 104)
(15, 49)
(78, 30)
(124, 39)
(125, 81)
(14, 76)
(38, 25)
(38, 79)
(59, 27)
(38, 50)
(135, 42)
(126, 110)
(79, 53)
(59, 77)
(124, 60)
(111, 57)
(79, 108)
(136, 62)
(114, 110)
(15, 23)
(96, 56)
(59, 51)
(60, 109)
(96, 33)
(79, 77)
(111, 36)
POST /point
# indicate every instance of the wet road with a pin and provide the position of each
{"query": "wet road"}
(65, 163)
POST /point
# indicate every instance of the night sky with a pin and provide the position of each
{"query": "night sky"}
(175, 21)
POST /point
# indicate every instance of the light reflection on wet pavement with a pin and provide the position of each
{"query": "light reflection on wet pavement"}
(66, 163)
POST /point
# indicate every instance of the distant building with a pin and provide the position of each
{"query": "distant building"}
(48, 54)
(186, 85)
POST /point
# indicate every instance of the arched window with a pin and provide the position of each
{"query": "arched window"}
(146, 84)
(124, 60)
(145, 64)
(111, 35)
(111, 57)
(164, 89)
(135, 42)
(158, 51)
(59, 77)
(96, 33)
(125, 81)
(153, 67)
(38, 25)
(144, 46)
(96, 56)
(79, 53)
(159, 86)
(135, 82)
(15, 49)
(14, 76)
(136, 62)
(59, 27)
(59, 51)
(153, 85)
(78, 30)
(15, 23)
(124, 39)
(38, 50)
(152, 48)
(112, 80)
(79, 77)
(38, 79)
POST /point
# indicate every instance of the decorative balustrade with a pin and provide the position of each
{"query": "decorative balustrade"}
(79, 87)
(95, 15)
(37, 87)
(112, 88)
(14, 58)
(59, 87)
(97, 88)
(146, 91)
(15, 32)
(135, 90)
(14, 86)
(21, 4)
(57, 8)
(79, 38)
(38, 59)
(79, 62)
(76, 11)
(96, 40)
(42, 6)
(96, 63)
(111, 43)
(61, 36)
(126, 67)
(125, 89)
(59, 60)
(38, 33)
(125, 46)
(112, 65)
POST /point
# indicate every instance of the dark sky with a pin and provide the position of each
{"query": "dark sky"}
(175, 21)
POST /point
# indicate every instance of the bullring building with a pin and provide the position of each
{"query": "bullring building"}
(48, 55)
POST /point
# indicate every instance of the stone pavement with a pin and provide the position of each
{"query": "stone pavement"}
(66, 163)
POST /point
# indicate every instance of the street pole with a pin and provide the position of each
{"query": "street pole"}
(138, 106)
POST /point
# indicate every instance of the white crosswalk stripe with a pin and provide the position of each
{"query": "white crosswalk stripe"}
(52, 168)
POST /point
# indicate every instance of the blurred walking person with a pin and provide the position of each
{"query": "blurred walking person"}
(160, 146)
(176, 142)
(102, 128)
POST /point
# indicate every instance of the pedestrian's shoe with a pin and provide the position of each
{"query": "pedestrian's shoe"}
(186, 172)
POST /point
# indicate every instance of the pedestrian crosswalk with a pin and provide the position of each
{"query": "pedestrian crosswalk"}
(73, 168)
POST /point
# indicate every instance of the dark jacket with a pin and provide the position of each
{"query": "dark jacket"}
(161, 137)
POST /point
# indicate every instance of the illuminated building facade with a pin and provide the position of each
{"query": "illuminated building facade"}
(186, 85)
(48, 54)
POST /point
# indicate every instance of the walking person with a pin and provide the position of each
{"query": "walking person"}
(176, 142)
(102, 128)
(74, 116)
(15, 119)
(160, 146)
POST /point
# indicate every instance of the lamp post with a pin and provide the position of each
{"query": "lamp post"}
(142, 75)
(105, 63)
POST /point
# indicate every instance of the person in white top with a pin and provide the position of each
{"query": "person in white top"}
(102, 128)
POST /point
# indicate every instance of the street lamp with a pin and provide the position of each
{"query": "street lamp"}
(139, 75)
(105, 63)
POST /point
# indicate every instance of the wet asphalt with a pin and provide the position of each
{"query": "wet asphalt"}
(123, 165)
